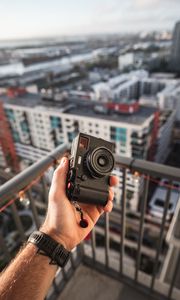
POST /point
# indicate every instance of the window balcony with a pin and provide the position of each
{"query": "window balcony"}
(127, 255)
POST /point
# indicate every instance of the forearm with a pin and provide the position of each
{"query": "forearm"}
(29, 276)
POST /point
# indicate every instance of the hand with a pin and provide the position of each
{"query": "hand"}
(62, 220)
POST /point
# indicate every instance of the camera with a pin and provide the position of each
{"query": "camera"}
(91, 162)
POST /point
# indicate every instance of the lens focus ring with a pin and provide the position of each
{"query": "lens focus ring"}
(100, 162)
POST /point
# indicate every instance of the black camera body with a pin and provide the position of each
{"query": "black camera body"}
(90, 165)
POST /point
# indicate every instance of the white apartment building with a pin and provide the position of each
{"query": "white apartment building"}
(169, 98)
(126, 60)
(162, 93)
(38, 126)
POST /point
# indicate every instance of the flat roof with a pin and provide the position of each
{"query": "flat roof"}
(81, 108)
(28, 100)
(137, 118)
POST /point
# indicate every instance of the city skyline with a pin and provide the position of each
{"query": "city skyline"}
(48, 19)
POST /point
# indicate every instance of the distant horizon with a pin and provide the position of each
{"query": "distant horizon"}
(81, 35)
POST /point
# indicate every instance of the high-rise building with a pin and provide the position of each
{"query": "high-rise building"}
(176, 48)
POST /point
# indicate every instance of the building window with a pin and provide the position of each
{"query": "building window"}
(123, 144)
(122, 151)
(16, 136)
(118, 134)
(55, 122)
(71, 136)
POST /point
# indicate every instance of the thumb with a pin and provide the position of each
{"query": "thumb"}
(60, 173)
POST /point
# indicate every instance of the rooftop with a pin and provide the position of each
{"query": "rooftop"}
(81, 108)
(29, 100)
(137, 118)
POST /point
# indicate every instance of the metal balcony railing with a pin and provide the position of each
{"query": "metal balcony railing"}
(110, 249)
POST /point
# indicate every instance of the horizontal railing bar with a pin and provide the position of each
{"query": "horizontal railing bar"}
(147, 167)
(20, 181)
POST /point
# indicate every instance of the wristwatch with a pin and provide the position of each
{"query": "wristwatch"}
(49, 247)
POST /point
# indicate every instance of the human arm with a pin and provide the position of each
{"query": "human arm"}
(30, 275)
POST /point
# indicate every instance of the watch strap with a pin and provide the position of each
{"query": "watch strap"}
(50, 247)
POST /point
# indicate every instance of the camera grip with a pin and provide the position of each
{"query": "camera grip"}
(90, 196)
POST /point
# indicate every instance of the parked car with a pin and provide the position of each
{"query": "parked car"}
(157, 202)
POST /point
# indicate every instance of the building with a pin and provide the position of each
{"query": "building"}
(163, 92)
(176, 133)
(169, 98)
(38, 126)
(133, 60)
(126, 60)
(175, 55)
(120, 87)
(165, 133)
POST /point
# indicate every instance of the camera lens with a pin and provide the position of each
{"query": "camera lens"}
(100, 162)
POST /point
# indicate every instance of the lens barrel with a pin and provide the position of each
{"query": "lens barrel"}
(100, 162)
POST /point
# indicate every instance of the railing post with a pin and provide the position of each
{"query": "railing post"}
(18, 222)
(174, 276)
(123, 219)
(107, 239)
(93, 243)
(4, 247)
(34, 209)
(45, 189)
(161, 236)
(141, 224)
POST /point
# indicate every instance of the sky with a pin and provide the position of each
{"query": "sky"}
(45, 18)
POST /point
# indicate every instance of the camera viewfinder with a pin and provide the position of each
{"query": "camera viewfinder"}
(83, 143)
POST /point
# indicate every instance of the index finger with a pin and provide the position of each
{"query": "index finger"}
(113, 180)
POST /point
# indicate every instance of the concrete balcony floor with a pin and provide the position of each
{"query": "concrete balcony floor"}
(88, 284)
